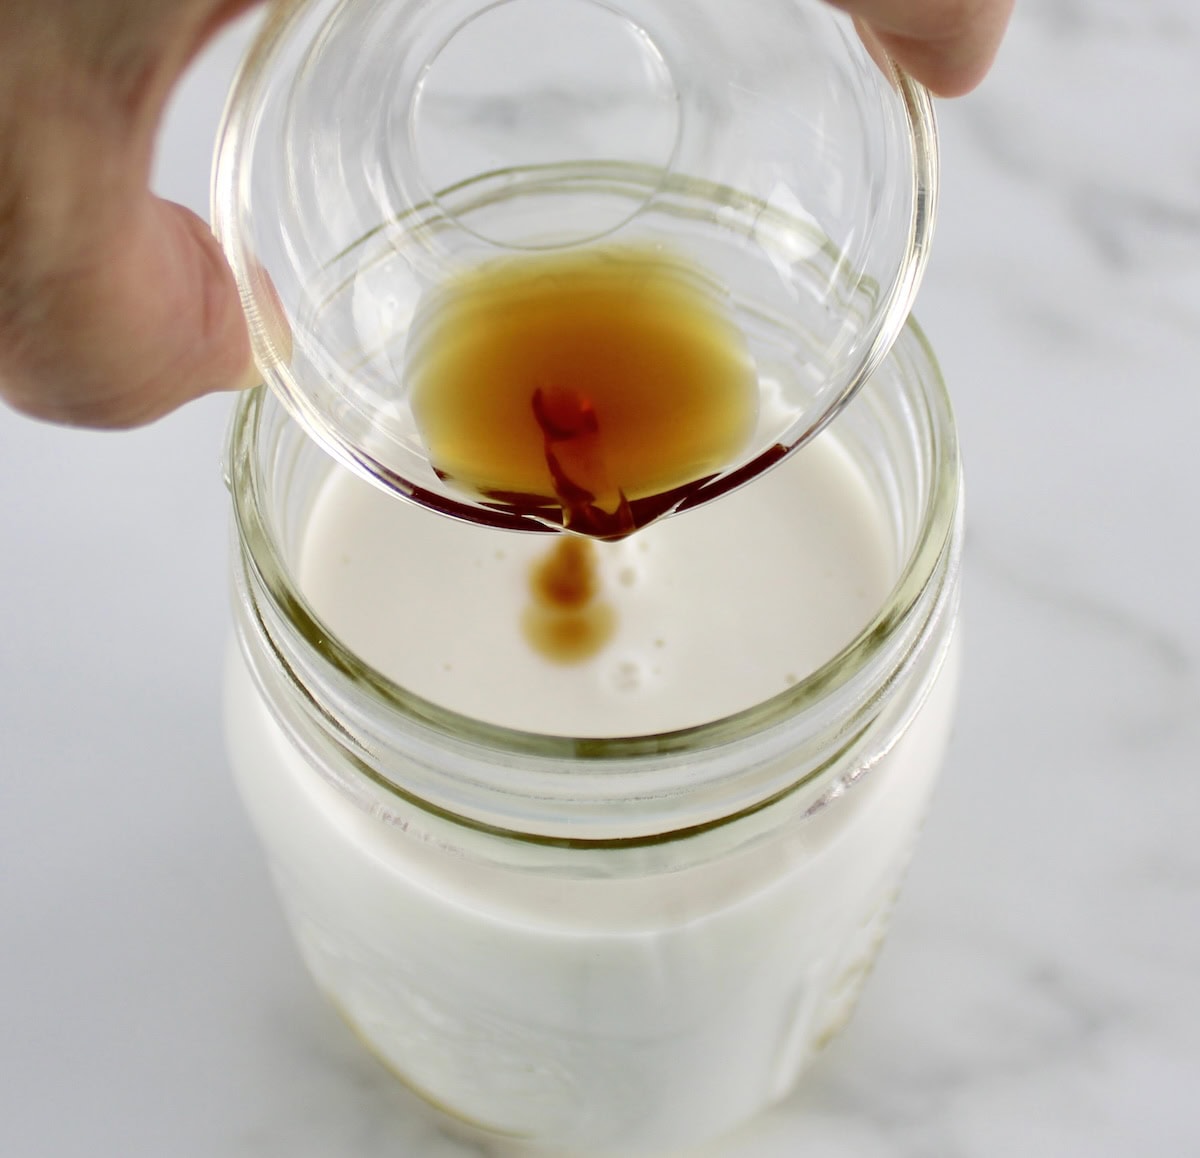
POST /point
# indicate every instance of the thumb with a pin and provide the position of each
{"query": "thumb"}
(115, 306)
(150, 320)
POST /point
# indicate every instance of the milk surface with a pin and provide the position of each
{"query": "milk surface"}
(716, 610)
(640, 1012)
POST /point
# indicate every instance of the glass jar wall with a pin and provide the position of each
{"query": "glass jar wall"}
(609, 941)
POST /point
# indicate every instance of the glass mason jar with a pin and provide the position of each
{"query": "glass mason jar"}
(602, 945)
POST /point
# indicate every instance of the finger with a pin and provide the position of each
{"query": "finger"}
(150, 320)
(948, 45)
(115, 306)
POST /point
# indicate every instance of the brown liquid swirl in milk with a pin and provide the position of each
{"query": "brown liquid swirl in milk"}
(567, 619)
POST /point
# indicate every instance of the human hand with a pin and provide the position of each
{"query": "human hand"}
(115, 306)
(948, 45)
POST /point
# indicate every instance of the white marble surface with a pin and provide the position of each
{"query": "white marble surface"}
(1039, 994)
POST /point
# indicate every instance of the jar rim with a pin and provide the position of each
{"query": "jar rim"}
(929, 547)
(804, 744)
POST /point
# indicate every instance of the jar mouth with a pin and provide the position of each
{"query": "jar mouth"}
(851, 684)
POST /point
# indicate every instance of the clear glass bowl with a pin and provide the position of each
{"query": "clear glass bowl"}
(373, 149)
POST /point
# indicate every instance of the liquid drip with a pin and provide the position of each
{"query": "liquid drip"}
(566, 620)
(598, 388)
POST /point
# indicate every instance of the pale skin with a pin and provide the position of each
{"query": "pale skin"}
(117, 307)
